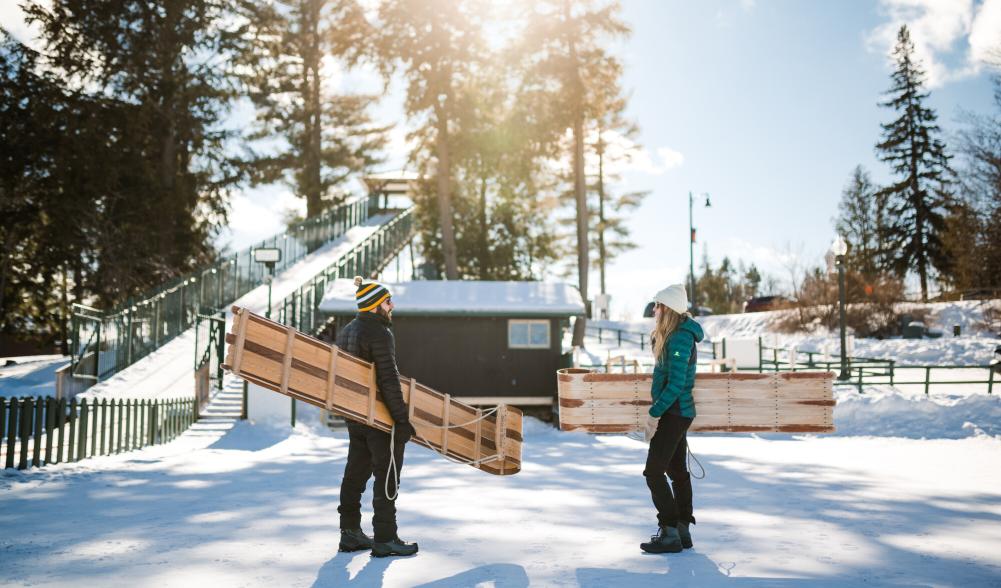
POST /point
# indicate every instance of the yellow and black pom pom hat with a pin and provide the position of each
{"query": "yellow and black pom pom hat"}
(369, 296)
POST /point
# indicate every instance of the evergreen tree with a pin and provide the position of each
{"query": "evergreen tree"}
(752, 282)
(915, 203)
(22, 166)
(609, 226)
(566, 62)
(325, 137)
(52, 181)
(160, 73)
(861, 222)
(499, 182)
(439, 45)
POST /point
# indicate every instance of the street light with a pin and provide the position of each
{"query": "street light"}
(839, 248)
(269, 256)
(691, 247)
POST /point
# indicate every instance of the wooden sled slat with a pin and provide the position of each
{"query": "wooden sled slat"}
(797, 402)
(286, 361)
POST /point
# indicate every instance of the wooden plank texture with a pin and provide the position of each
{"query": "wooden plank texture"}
(296, 365)
(794, 402)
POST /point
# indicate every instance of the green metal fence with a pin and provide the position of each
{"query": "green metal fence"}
(300, 309)
(37, 431)
(104, 343)
(863, 371)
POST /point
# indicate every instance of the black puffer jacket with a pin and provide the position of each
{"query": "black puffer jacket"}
(369, 337)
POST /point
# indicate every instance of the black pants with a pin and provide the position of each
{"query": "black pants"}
(667, 453)
(368, 453)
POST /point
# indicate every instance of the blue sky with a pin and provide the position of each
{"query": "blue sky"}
(767, 105)
(771, 104)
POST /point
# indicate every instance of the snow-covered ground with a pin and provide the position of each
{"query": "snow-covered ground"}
(907, 492)
(30, 376)
(168, 371)
(255, 505)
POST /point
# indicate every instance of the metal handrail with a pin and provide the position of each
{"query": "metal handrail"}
(111, 341)
(300, 309)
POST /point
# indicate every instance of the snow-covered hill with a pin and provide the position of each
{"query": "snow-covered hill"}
(975, 345)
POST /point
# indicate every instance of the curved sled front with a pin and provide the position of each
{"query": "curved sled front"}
(732, 402)
(292, 363)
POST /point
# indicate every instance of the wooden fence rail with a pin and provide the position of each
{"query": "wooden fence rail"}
(43, 430)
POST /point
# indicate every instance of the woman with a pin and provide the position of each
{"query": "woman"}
(675, 336)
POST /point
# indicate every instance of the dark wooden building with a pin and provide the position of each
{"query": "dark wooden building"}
(487, 342)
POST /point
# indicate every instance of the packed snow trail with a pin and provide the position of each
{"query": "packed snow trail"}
(256, 505)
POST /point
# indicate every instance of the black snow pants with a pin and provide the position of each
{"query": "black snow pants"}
(368, 454)
(667, 453)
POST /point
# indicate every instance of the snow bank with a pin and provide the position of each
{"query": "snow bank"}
(884, 411)
(975, 346)
(30, 376)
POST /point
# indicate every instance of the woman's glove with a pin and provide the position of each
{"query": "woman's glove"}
(651, 427)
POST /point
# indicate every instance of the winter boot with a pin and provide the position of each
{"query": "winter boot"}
(395, 546)
(666, 540)
(354, 540)
(685, 532)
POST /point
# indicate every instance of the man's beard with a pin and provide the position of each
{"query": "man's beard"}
(386, 314)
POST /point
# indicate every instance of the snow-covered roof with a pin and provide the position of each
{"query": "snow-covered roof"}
(458, 298)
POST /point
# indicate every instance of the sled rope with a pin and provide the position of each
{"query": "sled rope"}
(392, 468)
(472, 462)
(691, 457)
(394, 472)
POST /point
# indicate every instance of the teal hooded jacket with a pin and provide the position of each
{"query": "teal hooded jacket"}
(674, 372)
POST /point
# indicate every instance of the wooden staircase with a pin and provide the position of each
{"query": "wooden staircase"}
(226, 404)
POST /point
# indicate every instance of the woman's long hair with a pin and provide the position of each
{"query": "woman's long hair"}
(667, 323)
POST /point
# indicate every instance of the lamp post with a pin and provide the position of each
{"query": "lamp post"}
(269, 256)
(691, 247)
(839, 248)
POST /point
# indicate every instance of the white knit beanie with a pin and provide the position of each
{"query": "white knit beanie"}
(673, 297)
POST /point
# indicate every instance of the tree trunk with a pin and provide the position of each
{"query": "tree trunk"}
(65, 318)
(485, 266)
(601, 210)
(173, 209)
(444, 194)
(312, 186)
(3, 281)
(580, 193)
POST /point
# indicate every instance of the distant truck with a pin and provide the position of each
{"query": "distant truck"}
(763, 303)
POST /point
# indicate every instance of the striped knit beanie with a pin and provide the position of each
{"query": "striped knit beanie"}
(369, 296)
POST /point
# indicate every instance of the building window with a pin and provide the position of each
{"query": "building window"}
(526, 334)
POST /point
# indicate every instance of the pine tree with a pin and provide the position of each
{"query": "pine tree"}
(915, 204)
(325, 137)
(861, 222)
(500, 206)
(52, 181)
(566, 62)
(610, 213)
(161, 75)
(439, 45)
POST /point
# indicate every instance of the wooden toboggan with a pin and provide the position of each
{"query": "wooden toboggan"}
(791, 402)
(284, 360)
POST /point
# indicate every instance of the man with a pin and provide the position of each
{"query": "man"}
(371, 451)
